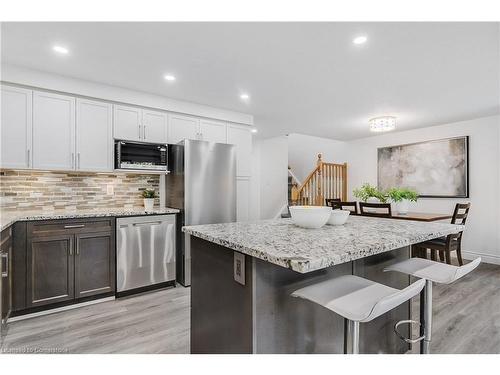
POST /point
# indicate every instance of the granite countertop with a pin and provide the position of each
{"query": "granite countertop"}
(7, 218)
(305, 250)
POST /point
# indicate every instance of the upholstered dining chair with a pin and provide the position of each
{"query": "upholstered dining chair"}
(375, 209)
(452, 242)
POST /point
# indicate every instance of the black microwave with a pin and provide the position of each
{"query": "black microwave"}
(140, 156)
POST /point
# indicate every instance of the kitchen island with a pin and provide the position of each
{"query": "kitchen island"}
(243, 275)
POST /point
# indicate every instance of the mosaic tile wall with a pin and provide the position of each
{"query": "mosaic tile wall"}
(35, 190)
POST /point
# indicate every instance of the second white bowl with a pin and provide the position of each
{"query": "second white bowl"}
(338, 217)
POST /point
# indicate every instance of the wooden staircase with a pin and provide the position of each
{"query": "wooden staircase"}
(326, 181)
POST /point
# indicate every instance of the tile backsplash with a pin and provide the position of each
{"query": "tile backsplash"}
(36, 190)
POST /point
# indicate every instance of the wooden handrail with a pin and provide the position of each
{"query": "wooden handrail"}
(326, 181)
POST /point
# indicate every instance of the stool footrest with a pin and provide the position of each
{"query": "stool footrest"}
(408, 340)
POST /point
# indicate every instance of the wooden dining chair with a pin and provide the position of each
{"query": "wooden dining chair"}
(382, 209)
(330, 201)
(452, 242)
(350, 206)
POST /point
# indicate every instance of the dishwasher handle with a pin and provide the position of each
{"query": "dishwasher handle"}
(147, 223)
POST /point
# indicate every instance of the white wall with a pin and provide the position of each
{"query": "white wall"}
(481, 235)
(29, 77)
(273, 155)
(303, 153)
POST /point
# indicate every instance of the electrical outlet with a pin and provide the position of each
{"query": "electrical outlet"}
(239, 268)
(110, 189)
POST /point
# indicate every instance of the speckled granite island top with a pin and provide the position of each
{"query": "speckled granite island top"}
(9, 218)
(304, 250)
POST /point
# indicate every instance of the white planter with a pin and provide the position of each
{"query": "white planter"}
(402, 207)
(148, 204)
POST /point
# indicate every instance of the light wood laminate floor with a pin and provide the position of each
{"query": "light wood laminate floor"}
(466, 320)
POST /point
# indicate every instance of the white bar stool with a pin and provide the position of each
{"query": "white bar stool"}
(430, 271)
(357, 300)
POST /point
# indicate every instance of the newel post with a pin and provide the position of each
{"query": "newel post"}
(319, 193)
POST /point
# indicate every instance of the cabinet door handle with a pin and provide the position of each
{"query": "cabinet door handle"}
(70, 250)
(74, 226)
(72, 160)
(77, 248)
(29, 161)
(139, 131)
(6, 272)
(144, 131)
(78, 156)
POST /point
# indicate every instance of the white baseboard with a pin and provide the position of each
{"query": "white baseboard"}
(486, 258)
(59, 309)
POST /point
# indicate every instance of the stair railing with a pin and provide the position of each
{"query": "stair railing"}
(326, 181)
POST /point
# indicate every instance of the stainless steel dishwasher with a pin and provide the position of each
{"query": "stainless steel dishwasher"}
(145, 253)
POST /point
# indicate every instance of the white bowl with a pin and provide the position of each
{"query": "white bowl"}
(310, 216)
(338, 217)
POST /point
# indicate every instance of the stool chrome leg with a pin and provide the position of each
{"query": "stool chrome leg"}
(351, 337)
(355, 337)
(426, 318)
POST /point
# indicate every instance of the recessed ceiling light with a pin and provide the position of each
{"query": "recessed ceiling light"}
(169, 77)
(360, 39)
(254, 130)
(245, 96)
(382, 124)
(60, 49)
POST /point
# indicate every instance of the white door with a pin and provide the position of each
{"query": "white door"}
(16, 127)
(242, 199)
(127, 123)
(241, 136)
(94, 135)
(154, 126)
(213, 131)
(182, 127)
(53, 131)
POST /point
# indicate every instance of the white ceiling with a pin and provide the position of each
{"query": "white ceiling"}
(302, 77)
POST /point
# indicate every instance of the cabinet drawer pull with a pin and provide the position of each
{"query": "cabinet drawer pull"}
(6, 272)
(74, 226)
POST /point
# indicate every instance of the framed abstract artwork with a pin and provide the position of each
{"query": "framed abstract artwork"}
(435, 169)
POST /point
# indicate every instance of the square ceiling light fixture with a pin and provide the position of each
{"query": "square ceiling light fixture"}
(382, 123)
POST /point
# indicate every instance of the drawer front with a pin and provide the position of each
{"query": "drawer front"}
(53, 227)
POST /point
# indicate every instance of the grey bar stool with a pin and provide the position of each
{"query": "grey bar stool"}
(358, 300)
(430, 271)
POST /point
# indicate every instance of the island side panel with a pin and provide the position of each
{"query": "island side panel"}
(221, 308)
(378, 335)
(284, 324)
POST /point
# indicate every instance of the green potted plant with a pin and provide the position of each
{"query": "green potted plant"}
(401, 197)
(370, 194)
(149, 196)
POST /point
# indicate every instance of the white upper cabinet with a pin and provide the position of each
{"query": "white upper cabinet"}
(16, 127)
(154, 126)
(127, 123)
(213, 131)
(241, 136)
(137, 124)
(94, 138)
(53, 131)
(182, 127)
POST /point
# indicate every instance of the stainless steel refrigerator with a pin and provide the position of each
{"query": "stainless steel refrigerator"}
(202, 185)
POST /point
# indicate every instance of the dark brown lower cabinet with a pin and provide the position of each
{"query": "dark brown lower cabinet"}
(68, 260)
(50, 270)
(5, 278)
(94, 264)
